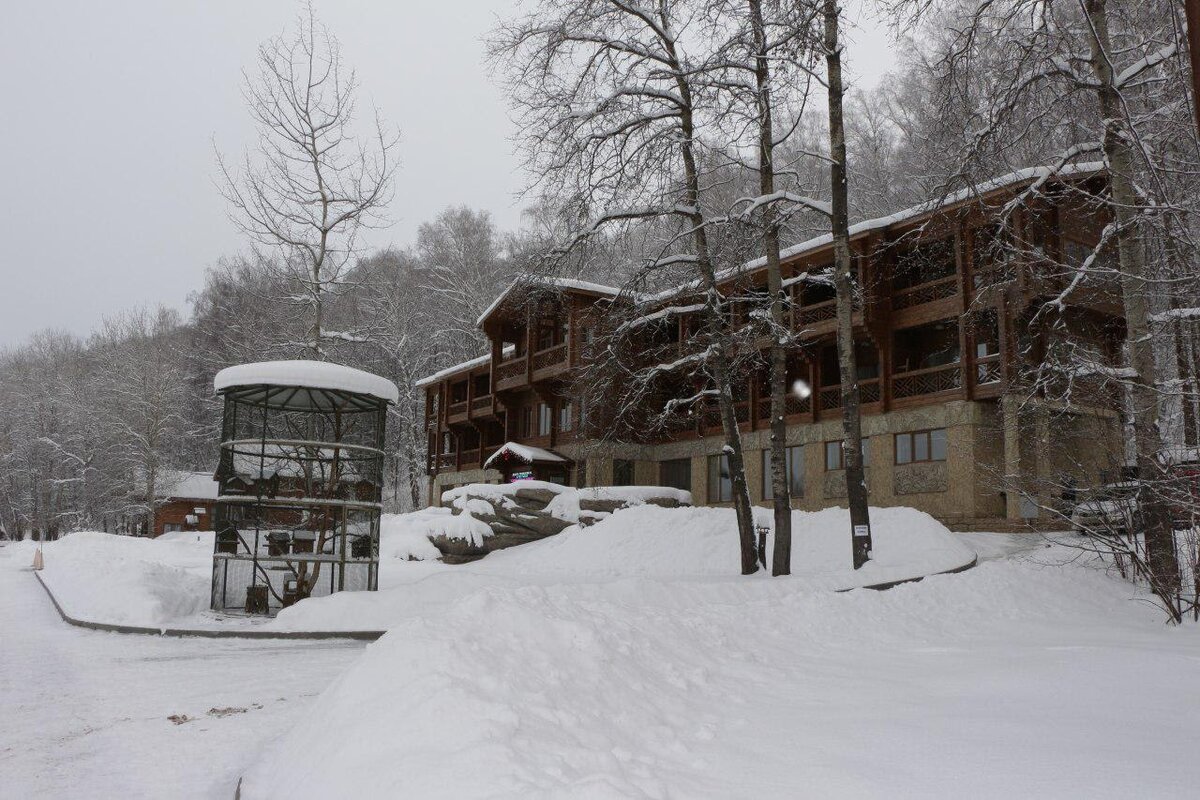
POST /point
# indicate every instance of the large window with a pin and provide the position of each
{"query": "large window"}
(566, 417)
(795, 472)
(834, 456)
(676, 473)
(622, 472)
(720, 485)
(545, 419)
(921, 446)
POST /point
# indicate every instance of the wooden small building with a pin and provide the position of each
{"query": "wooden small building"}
(185, 502)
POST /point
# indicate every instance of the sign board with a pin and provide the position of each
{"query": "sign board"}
(521, 475)
(862, 530)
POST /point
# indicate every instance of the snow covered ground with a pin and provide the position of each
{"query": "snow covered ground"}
(601, 667)
(88, 714)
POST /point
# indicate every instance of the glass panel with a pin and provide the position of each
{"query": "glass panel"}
(903, 448)
(768, 492)
(720, 486)
(937, 444)
(920, 447)
(676, 473)
(565, 417)
(833, 455)
(796, 470)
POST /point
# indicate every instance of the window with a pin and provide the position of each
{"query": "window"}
(622, 472)
(447, 443)
(676, 473)
(525, 429)
(833, 454)
(795, 472)
(566, 417)
(720, 485)
(545, 419)
(921, 446)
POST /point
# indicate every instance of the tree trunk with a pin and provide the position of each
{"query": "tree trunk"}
(718, 333)
(1154, 512)
(781, 557)
(856, 488)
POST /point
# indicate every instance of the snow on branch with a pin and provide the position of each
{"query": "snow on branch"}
(755, 203)
(1143, 64)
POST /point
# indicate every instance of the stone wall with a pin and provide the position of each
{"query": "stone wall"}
(967, 485)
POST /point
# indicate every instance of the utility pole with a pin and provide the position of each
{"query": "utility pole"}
(1191, 9)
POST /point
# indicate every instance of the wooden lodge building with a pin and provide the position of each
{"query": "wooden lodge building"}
(947, 335)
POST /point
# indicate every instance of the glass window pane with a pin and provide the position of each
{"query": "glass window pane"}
(903, 448)
(796, 470)
(726, 481)
(833, 455)
(866, 451)
(768, 492)
(921, 446)
(937, 444)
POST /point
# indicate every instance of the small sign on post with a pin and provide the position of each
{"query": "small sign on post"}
(861, 544)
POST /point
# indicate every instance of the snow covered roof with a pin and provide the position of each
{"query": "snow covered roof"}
(558, 283)
(308, 374)
(448, 371)
(525, 453)
(183, 485)
(1029, 174)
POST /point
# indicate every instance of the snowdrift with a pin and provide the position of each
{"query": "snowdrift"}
(122, 580)
(732, 688)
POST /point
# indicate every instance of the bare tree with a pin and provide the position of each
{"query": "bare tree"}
(611, 111)
(311, 187)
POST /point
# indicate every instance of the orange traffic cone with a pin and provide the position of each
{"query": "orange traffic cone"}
(37, 559)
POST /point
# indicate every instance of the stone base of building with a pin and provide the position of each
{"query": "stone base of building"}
(1005, 463)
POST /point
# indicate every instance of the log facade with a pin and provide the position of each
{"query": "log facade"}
(952, 322)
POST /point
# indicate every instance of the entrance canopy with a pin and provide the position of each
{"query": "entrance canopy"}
(521, 462)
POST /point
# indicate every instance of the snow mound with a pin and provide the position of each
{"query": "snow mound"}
(406, 536)
(651, 541)
(122, 580)
(644, 688)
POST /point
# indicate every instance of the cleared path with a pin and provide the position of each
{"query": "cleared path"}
(88, 714)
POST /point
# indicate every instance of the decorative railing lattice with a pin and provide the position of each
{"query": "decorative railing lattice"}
(927, 381)
(925, 293)
(510, 369)
(550, 357)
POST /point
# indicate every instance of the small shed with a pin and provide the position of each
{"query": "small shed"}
(518, 462)
(184, 502)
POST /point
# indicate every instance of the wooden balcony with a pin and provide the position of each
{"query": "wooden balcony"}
(481, 407)
(869, 391)
(924, 293)
(469, 459)
(987, 376)
(456, 412)
(794, 407)
(550, 362)
(509, 374)
(929, 381)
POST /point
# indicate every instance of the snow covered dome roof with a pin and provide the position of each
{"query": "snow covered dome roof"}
(316, 384)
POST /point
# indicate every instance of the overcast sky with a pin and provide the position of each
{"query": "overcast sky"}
(111, 110)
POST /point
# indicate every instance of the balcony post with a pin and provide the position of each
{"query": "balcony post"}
(966, 358)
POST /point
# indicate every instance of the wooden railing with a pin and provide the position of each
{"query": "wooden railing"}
(927, 381)
(483, 403)
(925, 293)
(470, 458)
(550, 356)
(446, 461)
(793, 405)
(507, 370)
(869, 391)
(819, 312)
(987, 370)
(456, 409)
